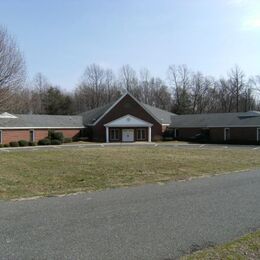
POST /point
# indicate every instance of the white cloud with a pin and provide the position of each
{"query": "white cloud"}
(250, 20)
(243, 3)
(251, 23)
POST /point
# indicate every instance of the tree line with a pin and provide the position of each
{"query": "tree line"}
(182, 91)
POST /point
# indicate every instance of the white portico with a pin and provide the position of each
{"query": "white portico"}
(128, 129)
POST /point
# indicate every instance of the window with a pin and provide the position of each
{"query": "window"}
(1, 136)
(141, 134)
(226, 134)
(114, 134)
(176, 133)
(258, 135)
(32, 136)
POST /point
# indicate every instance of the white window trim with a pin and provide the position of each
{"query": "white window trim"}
(1, 136)
(225, 134)
(257, 134)
(110, 135)
(33, 139)
(142, 130)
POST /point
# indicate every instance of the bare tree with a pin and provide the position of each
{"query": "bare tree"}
(112, 90)
(128, 78)
(200, 86)
(40, 85)
(179, 78)
(160, 95)
(12, 69)
(98, 87)
(237, 82)
(144, 80)
(93, 84)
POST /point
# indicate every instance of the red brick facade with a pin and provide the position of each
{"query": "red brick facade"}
(9, 135)
(239, 135)
(127, 105)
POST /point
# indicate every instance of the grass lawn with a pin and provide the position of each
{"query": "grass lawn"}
(46, 172)
(247, 247)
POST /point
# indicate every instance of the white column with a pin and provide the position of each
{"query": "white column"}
(107, 134)
(150, 134)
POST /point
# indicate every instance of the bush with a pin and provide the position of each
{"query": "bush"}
(168, 134)
(67, 140)
(56, 136)
(32, 143)
(56, 142)
(23, 143)
(45, 141)
(14, 144)
(1, 145)
(6, 145)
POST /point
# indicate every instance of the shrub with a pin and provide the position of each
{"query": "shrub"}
(23, 143)
(56, 142)
(67, 140)
(14, 144)
(6, 145)
(56, 136)
(168, 134)
(32, 143)
(45, 141)
(1, 145)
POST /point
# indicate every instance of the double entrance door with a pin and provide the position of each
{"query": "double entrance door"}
(128, 135)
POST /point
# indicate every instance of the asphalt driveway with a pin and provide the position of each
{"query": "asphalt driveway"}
(147, 222)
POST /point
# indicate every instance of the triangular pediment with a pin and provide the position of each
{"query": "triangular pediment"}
(128, 121)
(7, 115)
(125, 100)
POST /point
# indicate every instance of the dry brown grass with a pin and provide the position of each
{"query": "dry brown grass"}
(247, 247)
(46, 172)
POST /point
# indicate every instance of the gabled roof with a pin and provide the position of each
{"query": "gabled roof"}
(162, 115)
(41, 121)
(242, 119)
(91, 117)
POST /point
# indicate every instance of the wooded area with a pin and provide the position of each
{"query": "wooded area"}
(182, 91)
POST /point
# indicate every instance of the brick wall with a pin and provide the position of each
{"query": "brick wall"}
(186, 133)
(9, 135)
(239, 135)
(242, 135)
(126, 106)
(14, 135)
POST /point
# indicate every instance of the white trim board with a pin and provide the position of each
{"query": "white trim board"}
(128, 121)
(225, 134)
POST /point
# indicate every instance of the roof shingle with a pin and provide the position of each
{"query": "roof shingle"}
(242, 119)
(41, 121)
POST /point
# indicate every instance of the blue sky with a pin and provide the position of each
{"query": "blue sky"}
(61, 37)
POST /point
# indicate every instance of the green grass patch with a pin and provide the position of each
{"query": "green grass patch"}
(47, 172)
(247, 247)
